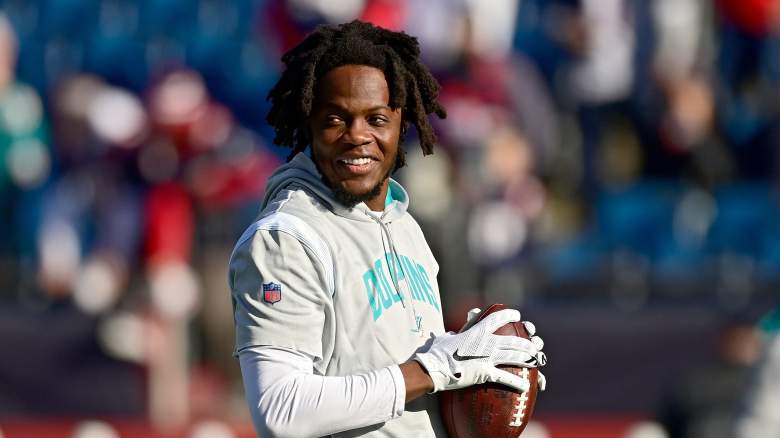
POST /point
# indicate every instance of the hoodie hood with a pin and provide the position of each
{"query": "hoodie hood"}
(302, 172)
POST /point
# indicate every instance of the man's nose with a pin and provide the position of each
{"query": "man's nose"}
(357, 133)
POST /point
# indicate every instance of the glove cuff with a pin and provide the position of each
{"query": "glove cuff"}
(439, 378)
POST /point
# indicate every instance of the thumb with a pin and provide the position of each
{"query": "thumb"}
(542, 381)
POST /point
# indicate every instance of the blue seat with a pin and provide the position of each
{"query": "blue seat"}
(769, 258)
(209, 53)
(173, 18)
(120, 59)
(29, 65)
(248, 71)
(74, 19)
(681, 245)
(676, 260)
(578, 258)
(24, 16)
(636, 217)
(225, 18)
(747, 212)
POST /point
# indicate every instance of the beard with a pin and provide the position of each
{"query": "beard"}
(350, 200)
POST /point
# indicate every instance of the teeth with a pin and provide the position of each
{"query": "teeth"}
(357, 161)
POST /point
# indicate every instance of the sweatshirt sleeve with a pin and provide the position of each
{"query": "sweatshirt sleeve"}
(280, 289)
(286, 399)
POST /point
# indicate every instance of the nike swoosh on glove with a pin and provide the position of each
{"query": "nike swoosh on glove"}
(458, 360)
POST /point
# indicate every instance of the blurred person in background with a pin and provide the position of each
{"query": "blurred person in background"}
(675, 94)
(334, 286)
(600, 78)
(748, 81)
(25, 163)
(498, 103)
(502, 218)
(760, 414)
(706, 402)
(91, 215)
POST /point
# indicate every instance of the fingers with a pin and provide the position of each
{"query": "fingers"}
(506, 378)
(516, 358)
(471, 318)
(492, 322)
(541, 359)
(542, 381)
(529, 327)
(473, 314)
(520, 358)
(516, 343)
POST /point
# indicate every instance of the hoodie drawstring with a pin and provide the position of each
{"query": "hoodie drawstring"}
(393, 268)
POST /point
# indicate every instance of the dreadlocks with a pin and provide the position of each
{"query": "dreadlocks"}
(412, 87)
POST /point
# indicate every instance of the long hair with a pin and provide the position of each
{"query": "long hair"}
(412, 86)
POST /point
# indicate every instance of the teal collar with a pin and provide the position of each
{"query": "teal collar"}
(394, 193)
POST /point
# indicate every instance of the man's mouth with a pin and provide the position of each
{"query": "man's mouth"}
(356, 161)
(357, 166)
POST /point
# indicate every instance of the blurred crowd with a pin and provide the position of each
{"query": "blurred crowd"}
(609, 151)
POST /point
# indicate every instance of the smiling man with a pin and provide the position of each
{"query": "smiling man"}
(355, 134)
(338, 315)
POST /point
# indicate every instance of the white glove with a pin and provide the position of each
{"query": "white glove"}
(471, 318)
(457, 360)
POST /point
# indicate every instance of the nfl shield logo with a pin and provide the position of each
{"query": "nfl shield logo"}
(272, 292)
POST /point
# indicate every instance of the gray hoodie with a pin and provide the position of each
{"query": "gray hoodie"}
(355, 289)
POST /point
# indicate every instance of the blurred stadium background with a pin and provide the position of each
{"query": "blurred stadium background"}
(608, 166)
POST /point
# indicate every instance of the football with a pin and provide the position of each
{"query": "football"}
(491, 410)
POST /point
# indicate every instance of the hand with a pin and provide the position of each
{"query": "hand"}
(473, 314)
(457, 360)
(471, 318)
(531, 329)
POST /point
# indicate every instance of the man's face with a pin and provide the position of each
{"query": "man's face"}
(355, 134)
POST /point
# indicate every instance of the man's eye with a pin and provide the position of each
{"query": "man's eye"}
(332, 120)
(378, 120)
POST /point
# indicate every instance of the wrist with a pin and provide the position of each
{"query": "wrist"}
(418, 381)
